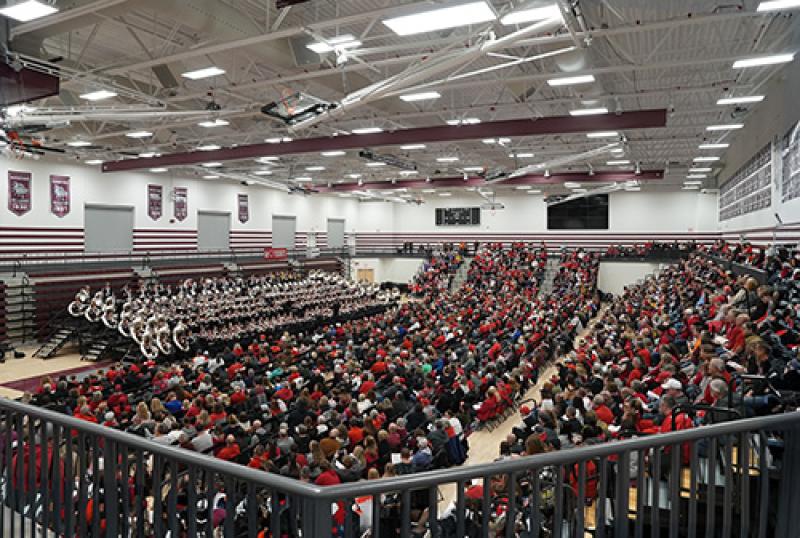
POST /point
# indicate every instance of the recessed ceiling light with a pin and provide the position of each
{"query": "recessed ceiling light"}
(147, 154)
(445, 194)
(266, 160)
(98, 95)
(572, 185)
(139, 134)
(566, 81)
(428, 191)
(413, 146)
(446, 159)
(208, 147)
(375, 165)
(464, 121)
(714, 146)
(79, 144)
(740, 100)
(700, 169)
(367, 130)
(315, 168)
(707, 159)
(333, 153)
(489, 141)
(535, 14)
(214, 123)
(206, 72)
(210, 176)
(276, 140)
(696, 176)
(633, 189)
(775, 5)
(28, 11)
(422, 96)
(725, 127)
(441, 19)
(211, 165)
(602, 134)
(346, 41)
(94, 161)
(303, 179)
(522, 155)
(354, 176)
(263, 172)
(758, 61)
(534, 191)
(473, 169)
(523, 187)
(588, 111)
(690, 187)
(158, 170)
(617, 163)
(408, 172)
(580, 190)
(692, 182)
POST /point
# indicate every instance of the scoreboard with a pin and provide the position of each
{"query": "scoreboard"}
(458, 216)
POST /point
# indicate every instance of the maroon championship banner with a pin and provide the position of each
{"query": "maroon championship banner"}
(19, 192)
(276, 254)
(59, 195)
(181, 209)
(244, 208)
(155, 201)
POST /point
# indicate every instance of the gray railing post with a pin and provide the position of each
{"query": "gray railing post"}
(788, 516)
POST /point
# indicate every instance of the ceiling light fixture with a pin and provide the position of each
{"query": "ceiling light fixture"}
(759, 61)
(408, 172)
(367, 130)
(139, 134)
(206, 72)
(445, 194)
(446, 159)
(566, 81)
(706, 159)
(303, 179)
(211, 165)
(523, 187)
(346, 41)
(776, 5)
(94, 161)
(208, 147)
(354, 176)
(263, 172)
(692, 182)
(333, 153)
(740, 100)
(422, 96)
(79, 144)
(696, 176)
(617, 163)
(98, 95)
(315, 168)
(473, 169)
(28, 11)
(699, 169)
(534, 14)
(214, 123)
(376, 164)
(602, 134)
(588, 111)
(211, 176)
(266, 160)
(413, 146)
(158, 170)
(725, 127)
(428, 191)
(721, 145)
(535, 191)
(441, 19)
(464, 121)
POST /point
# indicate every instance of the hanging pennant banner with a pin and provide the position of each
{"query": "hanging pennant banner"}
(181, 203)
(59, 195)
(244, 208)
(19, 192)
(155, 201)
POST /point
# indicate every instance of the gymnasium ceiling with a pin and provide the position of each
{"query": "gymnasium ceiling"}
(675, 55)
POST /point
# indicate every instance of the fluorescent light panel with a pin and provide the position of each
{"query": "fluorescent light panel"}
(445, 194)
(566, 81)
(263, 172)
(158, 170)
(602, 134)
(79, 144)
(139, 134)
(211, 176)
(699, 169)
(211, 165)
(214, 123)
(206, 72)
(346, 41)
(446, 159)
(617, 163)
(94, 161)
(422, 96)
(722, 145)
(588, 111)
(740, 100)
(28, 11)
(707, 159)
(473, 168)
(304, 179)
(208, 147)
(759, 61)
(413, 146)
(98, 95)
(776, 5)
(367, 130)
(315, 168)
(535, 14)
(376, 165)
(696, 176)
(725, 127)
(333, 153)
(441, 19)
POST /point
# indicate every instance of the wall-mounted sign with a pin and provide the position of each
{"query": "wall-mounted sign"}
(59, 195)
(19, 192)
(155, 201)
(276, 253)
(181, 203)
(244, 208)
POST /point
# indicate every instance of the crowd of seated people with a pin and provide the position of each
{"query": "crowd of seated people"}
(437, 273)
(210, 312)
(387, 394)
(667, 354)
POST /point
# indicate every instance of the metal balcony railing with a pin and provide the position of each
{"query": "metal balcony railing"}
(66, 477)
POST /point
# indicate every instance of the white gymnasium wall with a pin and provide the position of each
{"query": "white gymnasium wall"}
(770, 122)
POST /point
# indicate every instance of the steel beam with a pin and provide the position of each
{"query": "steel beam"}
(524, 127)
